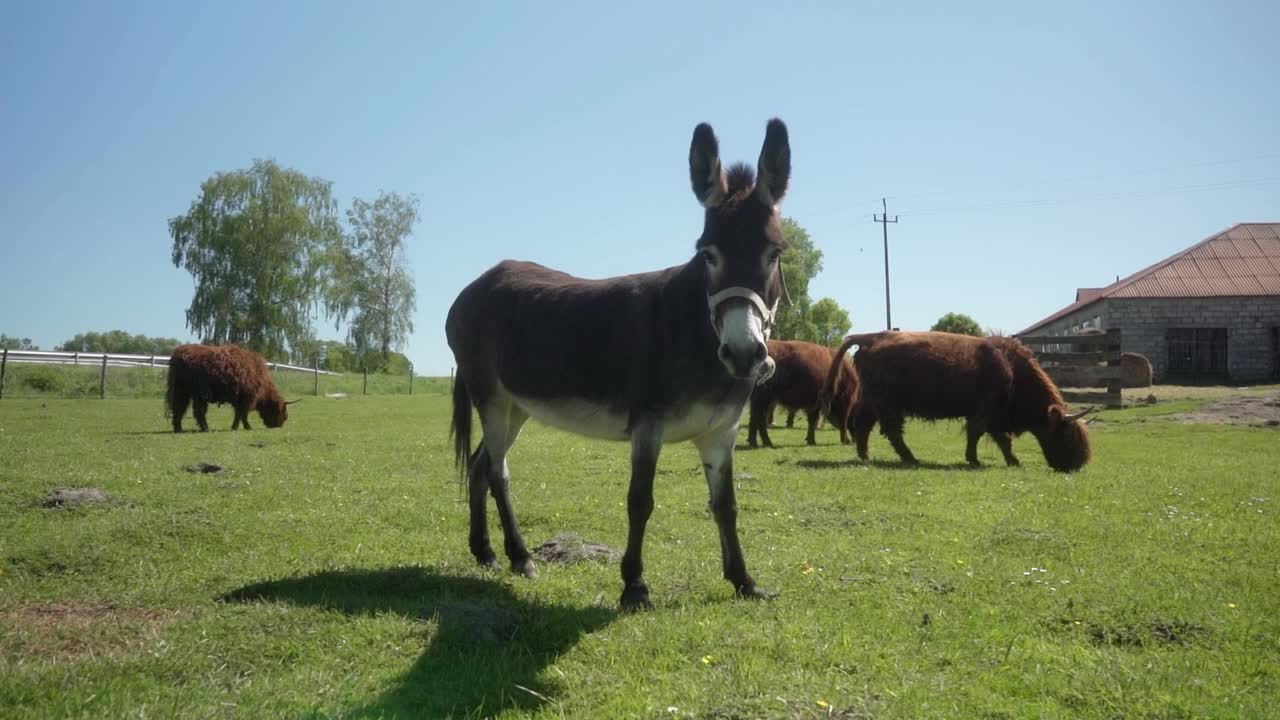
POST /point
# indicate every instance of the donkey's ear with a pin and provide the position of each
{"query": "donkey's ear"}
(705, 171)
(774, 171)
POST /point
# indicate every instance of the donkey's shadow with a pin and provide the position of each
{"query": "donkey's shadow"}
(486, 656)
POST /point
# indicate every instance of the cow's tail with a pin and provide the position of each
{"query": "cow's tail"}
(460, 428)
(170, 389)
(829, 388)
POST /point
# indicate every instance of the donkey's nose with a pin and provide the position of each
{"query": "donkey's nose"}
(743, 363)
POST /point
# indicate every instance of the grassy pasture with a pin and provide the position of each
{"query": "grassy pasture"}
(324, 573)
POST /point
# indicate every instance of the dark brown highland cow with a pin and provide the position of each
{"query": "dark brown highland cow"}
(995, 384)
(203, 374)
(799, 370)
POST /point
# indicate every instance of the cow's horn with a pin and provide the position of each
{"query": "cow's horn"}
(1077, 416)
(290, 402)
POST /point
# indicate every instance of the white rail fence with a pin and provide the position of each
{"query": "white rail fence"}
(106, 360)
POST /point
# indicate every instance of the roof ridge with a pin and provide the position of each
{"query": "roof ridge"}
(1120, 284)
(1109, 291)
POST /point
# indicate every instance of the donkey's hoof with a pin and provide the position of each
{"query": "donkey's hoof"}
(635, 598)
(525, 567)
(488, 561)
(751, 592)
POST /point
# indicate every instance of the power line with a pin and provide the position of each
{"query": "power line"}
(1037, 202)
(1085, 178)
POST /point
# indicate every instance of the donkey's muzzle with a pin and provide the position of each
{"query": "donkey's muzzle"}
(744, 362)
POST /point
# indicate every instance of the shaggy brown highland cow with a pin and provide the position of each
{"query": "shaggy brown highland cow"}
(799, 370)
(203, 374)
(994, 384)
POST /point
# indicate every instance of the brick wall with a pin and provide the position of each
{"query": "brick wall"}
(1143, 323)
(1248, 321)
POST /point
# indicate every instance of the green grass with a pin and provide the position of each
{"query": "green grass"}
(26, 380)
(325, 573)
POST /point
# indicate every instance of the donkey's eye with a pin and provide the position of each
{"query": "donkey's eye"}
(709, 257)
(774, 256)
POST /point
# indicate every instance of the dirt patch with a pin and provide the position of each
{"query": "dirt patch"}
(205, 468)
(65, 632)
(1138, 635)
(1257, 411)
(569, 548)
(65, 498)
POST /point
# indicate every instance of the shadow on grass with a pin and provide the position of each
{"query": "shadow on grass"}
(884, 465)
(489, 644)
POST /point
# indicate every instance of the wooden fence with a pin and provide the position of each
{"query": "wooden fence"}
(1088, 361)
(105, 360)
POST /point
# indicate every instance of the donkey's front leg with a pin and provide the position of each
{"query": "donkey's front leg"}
(717, 462)
(646, 445)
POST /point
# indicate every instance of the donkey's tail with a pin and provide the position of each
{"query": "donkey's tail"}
(460, 428)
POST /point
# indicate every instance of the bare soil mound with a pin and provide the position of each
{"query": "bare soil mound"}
(1257, 411)
(569, 548)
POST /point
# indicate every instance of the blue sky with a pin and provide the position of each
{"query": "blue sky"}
(1029, 148)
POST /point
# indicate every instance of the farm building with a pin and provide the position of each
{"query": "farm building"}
(1208, 313)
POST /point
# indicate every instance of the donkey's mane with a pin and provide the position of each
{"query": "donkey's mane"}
(741, 178)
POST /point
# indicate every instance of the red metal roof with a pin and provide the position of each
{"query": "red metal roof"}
(1243, 260)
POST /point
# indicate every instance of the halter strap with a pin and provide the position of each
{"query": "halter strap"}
(767, 314)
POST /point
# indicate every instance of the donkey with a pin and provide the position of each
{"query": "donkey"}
(648, 359)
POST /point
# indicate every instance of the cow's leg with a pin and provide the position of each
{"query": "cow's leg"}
(761, 415)
(791, 417)
(812, 416)
(716, 450)
(975, 428)
(646, 446)
(1004, 441)
(478, 499)
(180, 402)
(502, 422)
(892, 425)
(864, 421)
(199, 408)
(244, 417)
(765, 439)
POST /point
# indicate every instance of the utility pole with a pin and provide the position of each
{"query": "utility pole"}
(884, 222)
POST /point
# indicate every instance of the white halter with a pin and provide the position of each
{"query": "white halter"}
(767, 315)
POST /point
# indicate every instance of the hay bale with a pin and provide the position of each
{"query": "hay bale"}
(1135, 370)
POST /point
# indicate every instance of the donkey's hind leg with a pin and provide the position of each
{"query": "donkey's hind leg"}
(478, 498)
(502, 422)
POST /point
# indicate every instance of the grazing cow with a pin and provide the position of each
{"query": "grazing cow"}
(646, 359)
(203, 374)
(799, 370)
(995, 384)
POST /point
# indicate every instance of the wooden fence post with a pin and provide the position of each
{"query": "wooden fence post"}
(316, 390)
(410, 378)
(1114, 385)
(102, 379)
(365, 390)
(4, 360)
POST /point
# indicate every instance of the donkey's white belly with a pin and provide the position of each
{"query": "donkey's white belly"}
(597, 421)
(577, 416)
